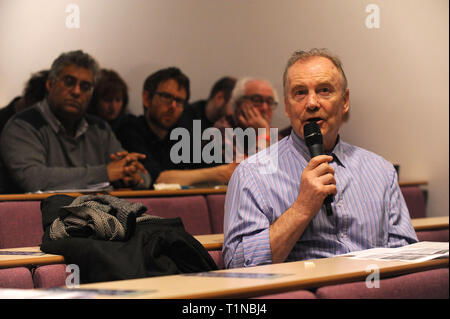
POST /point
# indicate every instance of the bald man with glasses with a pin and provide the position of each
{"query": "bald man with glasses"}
(252, 104)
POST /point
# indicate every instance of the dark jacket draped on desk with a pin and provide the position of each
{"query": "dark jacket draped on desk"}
(124, 245)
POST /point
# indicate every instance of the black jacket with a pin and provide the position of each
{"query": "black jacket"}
(157, 247)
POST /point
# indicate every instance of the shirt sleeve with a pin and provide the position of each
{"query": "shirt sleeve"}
(401, 231)
(246, 226)
(25, 156)
(133, 139)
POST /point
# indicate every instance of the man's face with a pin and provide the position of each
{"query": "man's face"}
(165, 107)
(257, 93)
(70, 92)
(314, 93)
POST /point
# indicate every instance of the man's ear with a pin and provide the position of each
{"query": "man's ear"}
(48, 84)
(146, 101)
(286, 108)
(346, 101)
(219, 98)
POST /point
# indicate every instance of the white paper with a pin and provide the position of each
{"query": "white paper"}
(418, 252)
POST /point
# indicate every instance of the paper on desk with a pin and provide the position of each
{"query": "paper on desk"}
(100, 187)
(421, 251)
(164, 186)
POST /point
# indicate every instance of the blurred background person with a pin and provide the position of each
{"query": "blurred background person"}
(110, 98)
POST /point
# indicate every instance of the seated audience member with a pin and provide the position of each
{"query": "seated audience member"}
(280, 216)
(164, 96)
(110, 98)
(216, 106)
(55, 145)
(33, 92)
(252, 103)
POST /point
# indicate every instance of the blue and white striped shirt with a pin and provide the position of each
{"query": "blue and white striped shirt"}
(368, 210)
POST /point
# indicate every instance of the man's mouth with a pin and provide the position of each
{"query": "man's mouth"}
(318, 120)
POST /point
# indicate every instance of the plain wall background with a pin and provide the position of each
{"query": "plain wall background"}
(398, 73)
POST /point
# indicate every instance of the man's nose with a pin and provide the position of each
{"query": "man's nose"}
(312, 102)
(76, 89)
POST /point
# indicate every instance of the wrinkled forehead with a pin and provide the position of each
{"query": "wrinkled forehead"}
(314, 71)
(258, 88)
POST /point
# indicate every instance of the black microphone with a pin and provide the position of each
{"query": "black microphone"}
(314, 141)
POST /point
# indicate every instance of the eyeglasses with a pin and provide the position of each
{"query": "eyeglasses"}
(70, 82)
(258, 100)
(168, 98)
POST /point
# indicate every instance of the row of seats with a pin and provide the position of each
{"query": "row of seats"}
(21, 226)
(430, 284)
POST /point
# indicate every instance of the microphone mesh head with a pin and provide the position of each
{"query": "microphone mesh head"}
(312, 134)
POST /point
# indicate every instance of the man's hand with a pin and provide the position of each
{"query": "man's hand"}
(250, 116)
(126, 167)
(316, 183)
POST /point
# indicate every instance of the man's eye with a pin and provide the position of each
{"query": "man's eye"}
(300, 92)
(324, 91)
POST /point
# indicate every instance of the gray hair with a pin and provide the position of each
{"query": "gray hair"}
(78, 58)
(239, 90)
(304, 55)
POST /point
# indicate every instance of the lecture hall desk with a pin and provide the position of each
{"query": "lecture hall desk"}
(267, 279)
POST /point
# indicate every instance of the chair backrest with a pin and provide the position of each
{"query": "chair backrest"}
(216, 212)
(415, 201)
(20, 224)
(433, 235)
(16, 278)
(430, 284)
(192, 210)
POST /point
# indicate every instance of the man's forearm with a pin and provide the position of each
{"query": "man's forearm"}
(285, 232)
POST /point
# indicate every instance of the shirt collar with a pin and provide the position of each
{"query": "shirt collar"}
(55, 124)
(300, 146)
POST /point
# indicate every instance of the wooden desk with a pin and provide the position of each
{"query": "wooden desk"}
(275, 278)
(121, 193)
(430, 223)
(35, 259)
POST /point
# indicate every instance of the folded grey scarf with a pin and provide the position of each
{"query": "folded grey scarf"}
(99, 216)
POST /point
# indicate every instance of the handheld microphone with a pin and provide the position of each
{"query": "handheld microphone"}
(314, 141)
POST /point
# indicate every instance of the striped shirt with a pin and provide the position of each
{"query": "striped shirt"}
(368, 210)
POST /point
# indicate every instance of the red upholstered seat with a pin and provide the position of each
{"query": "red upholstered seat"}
(433, 235)
(216, 210)
(49, 276)
(415, 201)
(298, 294)
(192, 210)
(19, 277)
(431, 284)
(20, 224)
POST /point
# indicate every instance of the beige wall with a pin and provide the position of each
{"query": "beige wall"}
(398, 73)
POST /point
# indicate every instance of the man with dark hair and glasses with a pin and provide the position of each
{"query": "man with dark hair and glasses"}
(252, 103)
(164, 97)
(55, 145)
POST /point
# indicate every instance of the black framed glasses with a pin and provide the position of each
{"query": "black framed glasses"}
(70, 82)
(258, 100)
(168, 98)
